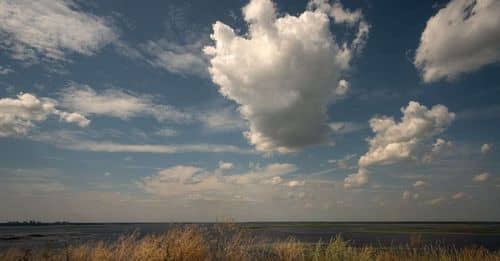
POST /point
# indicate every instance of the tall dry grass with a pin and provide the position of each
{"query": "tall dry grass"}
(229, 242)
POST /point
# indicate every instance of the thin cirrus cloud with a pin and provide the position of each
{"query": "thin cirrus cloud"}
(462, 37)
(398, 141)
(166, 132)
(121, 104)
(345, 127)
(30, 181)
(153, 148)
(50, 30)
(19, 115)
(343, 163)
(221, 120)
(179, 48)
(281, 72)
(185, 59)
(78, 141)
(5, 70)
(116, 103)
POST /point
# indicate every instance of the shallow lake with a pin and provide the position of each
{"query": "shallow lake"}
(377, 234)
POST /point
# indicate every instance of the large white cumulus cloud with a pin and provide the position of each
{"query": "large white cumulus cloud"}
(282, 73)
(397, 141)
(461, 37)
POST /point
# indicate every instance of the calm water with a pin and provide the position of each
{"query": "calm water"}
(377, 234)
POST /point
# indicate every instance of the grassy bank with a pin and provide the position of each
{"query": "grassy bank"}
(229, 242)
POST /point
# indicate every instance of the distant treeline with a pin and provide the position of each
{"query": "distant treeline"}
(32, 223)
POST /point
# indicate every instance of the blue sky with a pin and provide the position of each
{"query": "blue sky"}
(252, 110)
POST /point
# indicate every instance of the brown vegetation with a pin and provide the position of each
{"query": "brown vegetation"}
(228, 242)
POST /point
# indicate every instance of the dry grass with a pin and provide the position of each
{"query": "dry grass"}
(228, 242)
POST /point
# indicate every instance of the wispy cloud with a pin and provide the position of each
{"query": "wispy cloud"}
(344, 127)
(221, 120)
(184, 59)
(192, 180)
(30, 181)
(118, 103)
(5, 70)
(50, 30)
(74, 141)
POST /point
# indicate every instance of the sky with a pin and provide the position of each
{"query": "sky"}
(253, 110)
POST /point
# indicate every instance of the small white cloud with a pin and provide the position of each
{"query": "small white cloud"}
(5, 70)
(437, 201)
(419, 184)
(438, 147)
(406, 195)
(73, 117)
(166, 132)
(356, 180)
(295, 183)
(440, 144)
(460, 195)
(18, 115)
(273, 181)
(481, 177)
(462, 37)
(225, 165)
(485, 148)
(107, 174)
(342, 88)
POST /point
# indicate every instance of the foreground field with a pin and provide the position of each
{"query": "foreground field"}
(229, 242)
